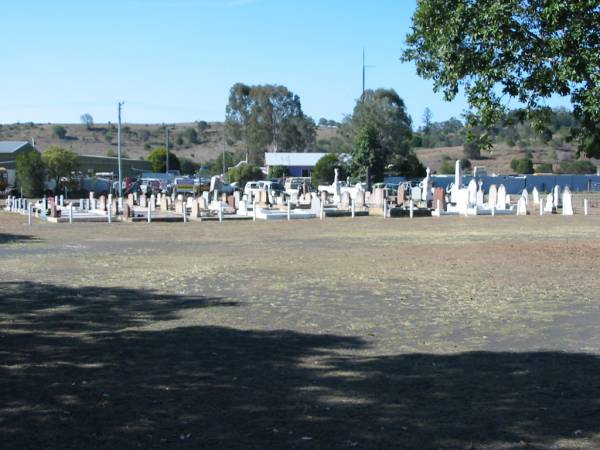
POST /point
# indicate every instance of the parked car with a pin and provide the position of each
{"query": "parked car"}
(274, 188)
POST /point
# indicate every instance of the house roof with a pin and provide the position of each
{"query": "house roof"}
(12, 146)
(293, 159)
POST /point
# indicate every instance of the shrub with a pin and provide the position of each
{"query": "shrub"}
(244, 173)
(202, 126)
(324, 171)
(472, 150)
(278, 171)
(577, 167)
(188, 166)
(417, 140)
(59, 131)
(144, 135)
(447, 168)
(522, 166)
(191, 135)
(544, 168)
(406, 166)
(158, 158)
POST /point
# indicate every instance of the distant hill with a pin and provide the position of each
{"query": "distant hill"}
(199, 141)
(499, 158)
(203, 141)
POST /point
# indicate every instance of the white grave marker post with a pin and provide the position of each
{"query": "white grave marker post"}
(149, 217)
(71, 213)
(567, 202)
(322, 212)
(522, 207)
(585, 206)
(254, 210)
(184, 207)
(353, 207)
(541, 206)
(29, 214)
(109, 215)
(411, 206)
(220, 211)
(385, 208)
(289, 210)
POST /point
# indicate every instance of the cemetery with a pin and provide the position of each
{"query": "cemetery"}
(339, 199)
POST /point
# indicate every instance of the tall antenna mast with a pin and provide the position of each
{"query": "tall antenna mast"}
(364, 67)
(119, 150)
(363, 77)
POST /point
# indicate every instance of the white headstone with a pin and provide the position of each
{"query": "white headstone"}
(536, 196)
(556, 196)
(315, 205)
(501, 200)
(525, 195)
(427, 195)
(521, 207)
(472, 192)
(480, 199)
(457, 175)
(415, 194)
(567, 202)
(462, 201)
(492, 196)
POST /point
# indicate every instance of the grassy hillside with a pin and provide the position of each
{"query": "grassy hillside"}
(139, 139)
(499, 158)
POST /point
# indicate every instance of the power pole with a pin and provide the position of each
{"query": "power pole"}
(167, 147)
(119, 150)
(223, 150)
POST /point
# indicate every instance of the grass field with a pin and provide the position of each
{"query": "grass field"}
(467, 333)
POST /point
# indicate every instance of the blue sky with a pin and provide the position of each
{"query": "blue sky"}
(174, 61)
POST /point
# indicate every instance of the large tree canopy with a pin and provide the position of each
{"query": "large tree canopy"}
(61, 163)
(384, 111)
(526, 50)
(380, 128)
(31, 172)
(158, 158)
(368, 158)
(268, 117)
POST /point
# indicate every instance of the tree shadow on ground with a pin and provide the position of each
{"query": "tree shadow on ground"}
(113, 368)
(9, 238)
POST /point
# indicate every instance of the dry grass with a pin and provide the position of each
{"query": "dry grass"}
(425, 333)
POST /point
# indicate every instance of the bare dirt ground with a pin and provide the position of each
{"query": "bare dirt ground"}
(467, 333)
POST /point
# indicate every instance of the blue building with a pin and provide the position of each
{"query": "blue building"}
(298, 164)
